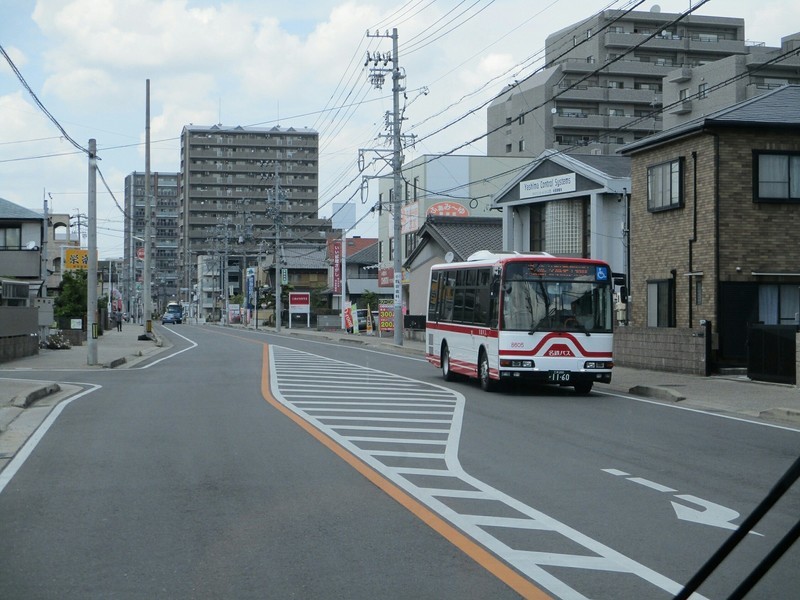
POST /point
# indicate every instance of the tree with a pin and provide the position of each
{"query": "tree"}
(73, 295)
(368, 299)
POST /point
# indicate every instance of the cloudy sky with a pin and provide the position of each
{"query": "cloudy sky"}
(260, 62)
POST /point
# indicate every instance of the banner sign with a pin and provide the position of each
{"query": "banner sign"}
(337, 267)
(348, 316)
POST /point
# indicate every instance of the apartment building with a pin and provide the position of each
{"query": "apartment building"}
(576, 103)
(693, 92)
(243, 188)
(164, 245)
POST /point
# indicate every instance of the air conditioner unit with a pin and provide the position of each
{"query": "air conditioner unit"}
(596, 151)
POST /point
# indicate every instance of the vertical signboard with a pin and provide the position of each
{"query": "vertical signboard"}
(337, 266)
(299, 303)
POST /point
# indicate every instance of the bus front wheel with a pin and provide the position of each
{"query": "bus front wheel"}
(446, 372)
(487, 383)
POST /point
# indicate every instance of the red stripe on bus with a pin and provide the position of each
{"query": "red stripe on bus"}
(556, 336)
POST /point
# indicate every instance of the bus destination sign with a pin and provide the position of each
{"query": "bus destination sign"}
(559, 270)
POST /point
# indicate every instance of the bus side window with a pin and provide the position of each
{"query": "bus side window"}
(448, 292)
(494, 303)
(434, 300)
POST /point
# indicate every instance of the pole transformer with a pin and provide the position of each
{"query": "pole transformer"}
(377, 79)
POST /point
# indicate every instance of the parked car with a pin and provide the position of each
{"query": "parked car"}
(170, 317)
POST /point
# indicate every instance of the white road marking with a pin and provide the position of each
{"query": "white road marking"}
(295, 383)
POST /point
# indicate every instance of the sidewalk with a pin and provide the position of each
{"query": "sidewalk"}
(25, 402)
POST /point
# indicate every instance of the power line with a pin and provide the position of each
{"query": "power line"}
(39, 103)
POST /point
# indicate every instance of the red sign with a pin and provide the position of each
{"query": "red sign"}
(140, 253)
(298, 298)
(348, 317)
(386, 277)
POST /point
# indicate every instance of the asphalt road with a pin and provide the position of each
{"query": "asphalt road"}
(208, 475)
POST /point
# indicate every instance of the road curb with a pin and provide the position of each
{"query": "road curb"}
(25, 400)
(659, 392)
(784, 414)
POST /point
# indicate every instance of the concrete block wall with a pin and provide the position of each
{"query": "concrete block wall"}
(18, 346)
(677, 350)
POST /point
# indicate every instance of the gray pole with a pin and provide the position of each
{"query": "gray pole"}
(45, 235)
(91, 280)
(277, 253)
(148, 297)
(397, 204)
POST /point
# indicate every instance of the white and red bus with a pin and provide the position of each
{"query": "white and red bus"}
(532, 317)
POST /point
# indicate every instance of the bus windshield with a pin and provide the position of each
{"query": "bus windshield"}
(555, 301)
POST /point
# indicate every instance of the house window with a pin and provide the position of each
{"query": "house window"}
(665, 186)
(683, 94)
(521, 118)
(521, 145)
(776, 177)
(702, 90)
(661, 303)
(391, 248)
(410, 240)
(10, 238)
(537, 227)
(778, 304)
(616, 112)
(508, 148)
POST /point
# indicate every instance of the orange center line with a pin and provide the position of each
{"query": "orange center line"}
(485, 559)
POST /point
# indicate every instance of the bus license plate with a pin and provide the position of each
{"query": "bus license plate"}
(558, 376)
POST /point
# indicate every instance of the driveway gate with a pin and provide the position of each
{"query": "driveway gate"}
(771, 353)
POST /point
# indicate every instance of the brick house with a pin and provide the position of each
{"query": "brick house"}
(715, 234)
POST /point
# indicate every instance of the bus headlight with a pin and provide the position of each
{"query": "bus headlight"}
(517, 364)
(598, 364)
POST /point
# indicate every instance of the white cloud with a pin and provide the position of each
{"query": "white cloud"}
(248, 61)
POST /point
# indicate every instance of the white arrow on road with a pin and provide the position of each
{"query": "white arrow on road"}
(712, 514)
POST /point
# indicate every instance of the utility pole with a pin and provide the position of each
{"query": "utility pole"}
(91, 279)
(377, 76)
(277, 218)
(148, 230)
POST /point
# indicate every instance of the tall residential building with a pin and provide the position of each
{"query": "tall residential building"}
(243, 188)
(608, 106)
(693, 92)
(164, 210)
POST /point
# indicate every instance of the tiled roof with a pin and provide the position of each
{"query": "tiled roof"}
(777, 108)
(613, 166)
(9, 210)
(305, 257)
(370, 255)
(464, 235)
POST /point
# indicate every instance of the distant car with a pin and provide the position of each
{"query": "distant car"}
(170, 317)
